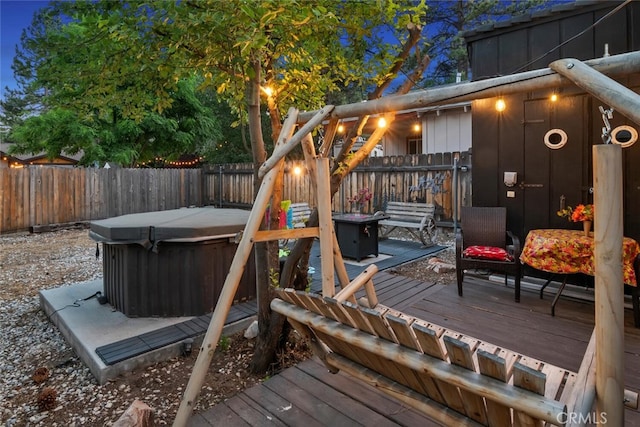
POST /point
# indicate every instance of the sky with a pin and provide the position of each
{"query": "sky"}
(15, 15)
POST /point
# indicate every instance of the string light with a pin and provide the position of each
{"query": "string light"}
(553, 97)
(382, 122)
(416, 127)
(341, 128)
(500, 105)
(175, 163)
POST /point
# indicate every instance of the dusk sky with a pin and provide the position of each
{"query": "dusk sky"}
(14, 17)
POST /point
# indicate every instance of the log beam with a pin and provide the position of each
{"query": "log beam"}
(623, 99)
(282, 150)
(622, 64)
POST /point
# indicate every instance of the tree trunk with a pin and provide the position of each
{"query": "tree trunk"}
(261, 249)
(270, 325)
(294, 274)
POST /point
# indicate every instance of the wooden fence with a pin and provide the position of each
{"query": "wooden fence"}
(37, 198)
(442, 179)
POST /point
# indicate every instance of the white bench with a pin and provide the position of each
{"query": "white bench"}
(416, 218)
(300, 213)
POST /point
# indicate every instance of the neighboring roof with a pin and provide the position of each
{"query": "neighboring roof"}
(538, 15)
(5, 146)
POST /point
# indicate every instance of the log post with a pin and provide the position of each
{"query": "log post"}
(225, 300)
(326, 226)
(609, 282)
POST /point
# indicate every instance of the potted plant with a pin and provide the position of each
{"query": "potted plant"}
(360, 199)
(581, 213)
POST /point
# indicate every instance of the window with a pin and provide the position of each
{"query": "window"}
(414, 145)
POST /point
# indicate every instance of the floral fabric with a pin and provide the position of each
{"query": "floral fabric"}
(487, 252)
(570, 251)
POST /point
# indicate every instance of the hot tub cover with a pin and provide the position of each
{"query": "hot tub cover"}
(186, 224)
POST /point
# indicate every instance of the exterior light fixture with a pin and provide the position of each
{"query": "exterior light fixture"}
(500, 105)
(382, 122)
(416, 127)
(553, 97)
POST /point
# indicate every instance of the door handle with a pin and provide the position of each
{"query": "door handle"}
(524, 185)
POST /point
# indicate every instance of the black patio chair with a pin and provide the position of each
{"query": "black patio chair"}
(483, 242)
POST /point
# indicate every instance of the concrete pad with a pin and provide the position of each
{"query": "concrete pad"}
(368, 260)
(87, 325)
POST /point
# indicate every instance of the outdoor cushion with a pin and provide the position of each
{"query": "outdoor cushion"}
(487, 252)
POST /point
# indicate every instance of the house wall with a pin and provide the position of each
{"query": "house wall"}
(446, 130)
(513, 140)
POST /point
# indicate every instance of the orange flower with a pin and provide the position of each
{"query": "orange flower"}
(579, 213)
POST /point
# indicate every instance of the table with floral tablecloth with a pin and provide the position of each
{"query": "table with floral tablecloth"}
(570, 251)
(560, 251)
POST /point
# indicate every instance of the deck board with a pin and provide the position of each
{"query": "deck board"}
(487, 311)
(320, 390)
(279, 407)
(300, 395)
(382, 407)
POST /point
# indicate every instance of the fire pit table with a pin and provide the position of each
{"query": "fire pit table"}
(171, 263)
(357, 235)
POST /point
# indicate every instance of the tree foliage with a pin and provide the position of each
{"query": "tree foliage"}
(124, 59)
(82, 90)
(188, 126)
(446, 21)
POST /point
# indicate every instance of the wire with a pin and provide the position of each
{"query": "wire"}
(76, 303)
(620, 6)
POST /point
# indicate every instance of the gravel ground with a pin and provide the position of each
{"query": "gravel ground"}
(43, 382)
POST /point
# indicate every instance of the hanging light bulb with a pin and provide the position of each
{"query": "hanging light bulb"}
(382, 122)
(416, 127)
(500, 105)
(340, 128)
(553, 97)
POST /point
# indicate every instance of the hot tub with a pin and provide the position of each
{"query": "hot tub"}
(171, 263)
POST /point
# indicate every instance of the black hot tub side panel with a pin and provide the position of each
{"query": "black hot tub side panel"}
(179, 279)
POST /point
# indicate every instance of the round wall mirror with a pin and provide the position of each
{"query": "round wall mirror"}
(625, 136)
(555, 139)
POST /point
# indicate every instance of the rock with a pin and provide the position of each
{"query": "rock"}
(139, 414)
(252, 330)
(440, 266)
(444, 268)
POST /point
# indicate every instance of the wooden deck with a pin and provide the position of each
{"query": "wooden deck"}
(307, 395)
